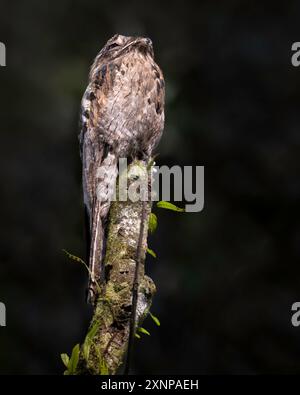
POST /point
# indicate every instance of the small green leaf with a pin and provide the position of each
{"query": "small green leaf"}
(79, 260)
(151, 252)
(93, 330)
(65, 358)
(86, 350)
(74, 257)
(137, 336)
(89, 340)
(152, 162)
(103, 368)
(169, 206)
(74, 359)
(152, 223)
(155, 319)
(144, 331)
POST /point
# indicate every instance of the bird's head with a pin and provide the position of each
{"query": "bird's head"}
(119, 45)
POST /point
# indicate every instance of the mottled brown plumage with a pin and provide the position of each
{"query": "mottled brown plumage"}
(122, 117)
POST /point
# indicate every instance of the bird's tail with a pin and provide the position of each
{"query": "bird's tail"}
(106, 176)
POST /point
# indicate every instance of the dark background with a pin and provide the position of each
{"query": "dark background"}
(226, 276)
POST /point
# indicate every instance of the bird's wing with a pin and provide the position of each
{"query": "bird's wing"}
(97, 164)
(91, 148)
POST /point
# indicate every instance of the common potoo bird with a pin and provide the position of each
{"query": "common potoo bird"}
(122, 117)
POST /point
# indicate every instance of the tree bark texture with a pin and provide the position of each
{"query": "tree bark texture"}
(106, 342)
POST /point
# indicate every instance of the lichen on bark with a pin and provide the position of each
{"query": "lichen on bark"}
(106, 342)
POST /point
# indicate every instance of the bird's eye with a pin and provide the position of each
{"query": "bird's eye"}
(111, 46)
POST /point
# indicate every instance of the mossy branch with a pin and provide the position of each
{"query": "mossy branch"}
(106, 342)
